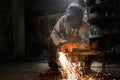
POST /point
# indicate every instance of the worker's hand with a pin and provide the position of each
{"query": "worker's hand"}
(82, 45)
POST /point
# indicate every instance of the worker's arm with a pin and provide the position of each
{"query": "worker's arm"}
(84, 42)
(56, 34)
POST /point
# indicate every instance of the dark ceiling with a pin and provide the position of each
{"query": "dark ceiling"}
(44, 7)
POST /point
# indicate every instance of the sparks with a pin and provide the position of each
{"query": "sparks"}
(68, 69)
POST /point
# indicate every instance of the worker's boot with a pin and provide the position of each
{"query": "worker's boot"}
(53, 70)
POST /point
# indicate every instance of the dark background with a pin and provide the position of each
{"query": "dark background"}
(25, 25)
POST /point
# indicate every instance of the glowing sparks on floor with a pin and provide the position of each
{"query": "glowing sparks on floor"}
(68, 69)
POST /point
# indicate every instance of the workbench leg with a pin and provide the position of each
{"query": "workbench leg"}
(76, 62)
(103, 62)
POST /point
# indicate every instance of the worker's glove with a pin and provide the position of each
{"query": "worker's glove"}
(63, 41)
(67, 47)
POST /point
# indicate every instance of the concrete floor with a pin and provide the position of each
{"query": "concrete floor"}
(22, 71)
(31, 70)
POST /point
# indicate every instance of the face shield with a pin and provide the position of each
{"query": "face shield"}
(75, 16)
